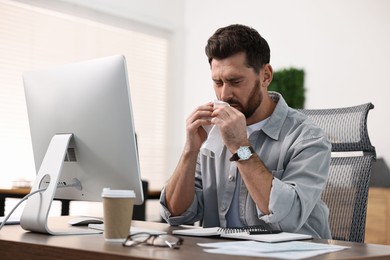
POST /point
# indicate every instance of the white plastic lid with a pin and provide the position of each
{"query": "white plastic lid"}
(108, 193)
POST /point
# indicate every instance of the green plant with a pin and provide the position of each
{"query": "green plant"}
(290, 83)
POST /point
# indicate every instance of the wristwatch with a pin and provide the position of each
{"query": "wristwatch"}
(243, 153)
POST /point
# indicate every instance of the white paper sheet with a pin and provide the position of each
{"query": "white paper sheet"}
(286, 250)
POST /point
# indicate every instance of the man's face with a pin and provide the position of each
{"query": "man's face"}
(237, 84)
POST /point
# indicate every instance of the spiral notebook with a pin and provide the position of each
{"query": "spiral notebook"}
(260, 233)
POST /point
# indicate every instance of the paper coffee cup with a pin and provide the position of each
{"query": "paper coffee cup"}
(117, 212)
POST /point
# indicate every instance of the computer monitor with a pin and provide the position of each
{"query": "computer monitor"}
(82, 133)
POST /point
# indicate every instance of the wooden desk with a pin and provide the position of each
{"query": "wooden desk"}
(16, 243)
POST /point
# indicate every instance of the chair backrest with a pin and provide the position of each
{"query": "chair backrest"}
(346, 192)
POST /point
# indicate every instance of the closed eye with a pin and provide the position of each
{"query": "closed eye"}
(218, 83)
(234, 82)
(231, 82)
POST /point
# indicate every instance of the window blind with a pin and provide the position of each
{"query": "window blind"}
(33, 37)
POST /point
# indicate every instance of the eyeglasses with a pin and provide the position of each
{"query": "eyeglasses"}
(170, 241)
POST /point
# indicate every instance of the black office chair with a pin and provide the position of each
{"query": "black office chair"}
(346, 192)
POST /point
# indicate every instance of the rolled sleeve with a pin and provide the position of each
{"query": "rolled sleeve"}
(190, 216)
(281, 200)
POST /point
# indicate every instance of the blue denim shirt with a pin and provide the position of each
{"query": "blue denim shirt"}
(295, 151)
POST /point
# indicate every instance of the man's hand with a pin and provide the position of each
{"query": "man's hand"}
(232, 124)
(196, 134)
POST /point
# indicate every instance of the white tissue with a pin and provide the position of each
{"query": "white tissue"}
(214, 143)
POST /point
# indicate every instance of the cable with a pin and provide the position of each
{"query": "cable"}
(18, 204)
(76, 184)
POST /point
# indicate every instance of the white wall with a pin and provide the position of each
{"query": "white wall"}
(341, 44)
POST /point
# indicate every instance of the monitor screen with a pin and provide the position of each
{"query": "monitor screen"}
(91, 101)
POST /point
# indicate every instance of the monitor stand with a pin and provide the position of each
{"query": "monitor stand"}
(36, 211)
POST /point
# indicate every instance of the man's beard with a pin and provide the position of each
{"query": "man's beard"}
(254, 101)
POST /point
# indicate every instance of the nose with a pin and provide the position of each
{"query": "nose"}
(226, 92)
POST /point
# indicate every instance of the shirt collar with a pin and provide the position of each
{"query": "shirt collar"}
(274, 125)
(256, 126)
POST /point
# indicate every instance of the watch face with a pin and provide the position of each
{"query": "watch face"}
(244, 153)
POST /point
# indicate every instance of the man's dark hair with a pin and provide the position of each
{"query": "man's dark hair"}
(237, 38)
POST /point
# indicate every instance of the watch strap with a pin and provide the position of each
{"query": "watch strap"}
(234, 158)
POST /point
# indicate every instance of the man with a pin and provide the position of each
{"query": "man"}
(273, 162)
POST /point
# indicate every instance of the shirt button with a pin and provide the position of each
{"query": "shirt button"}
(223, 208)
(231, 178)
